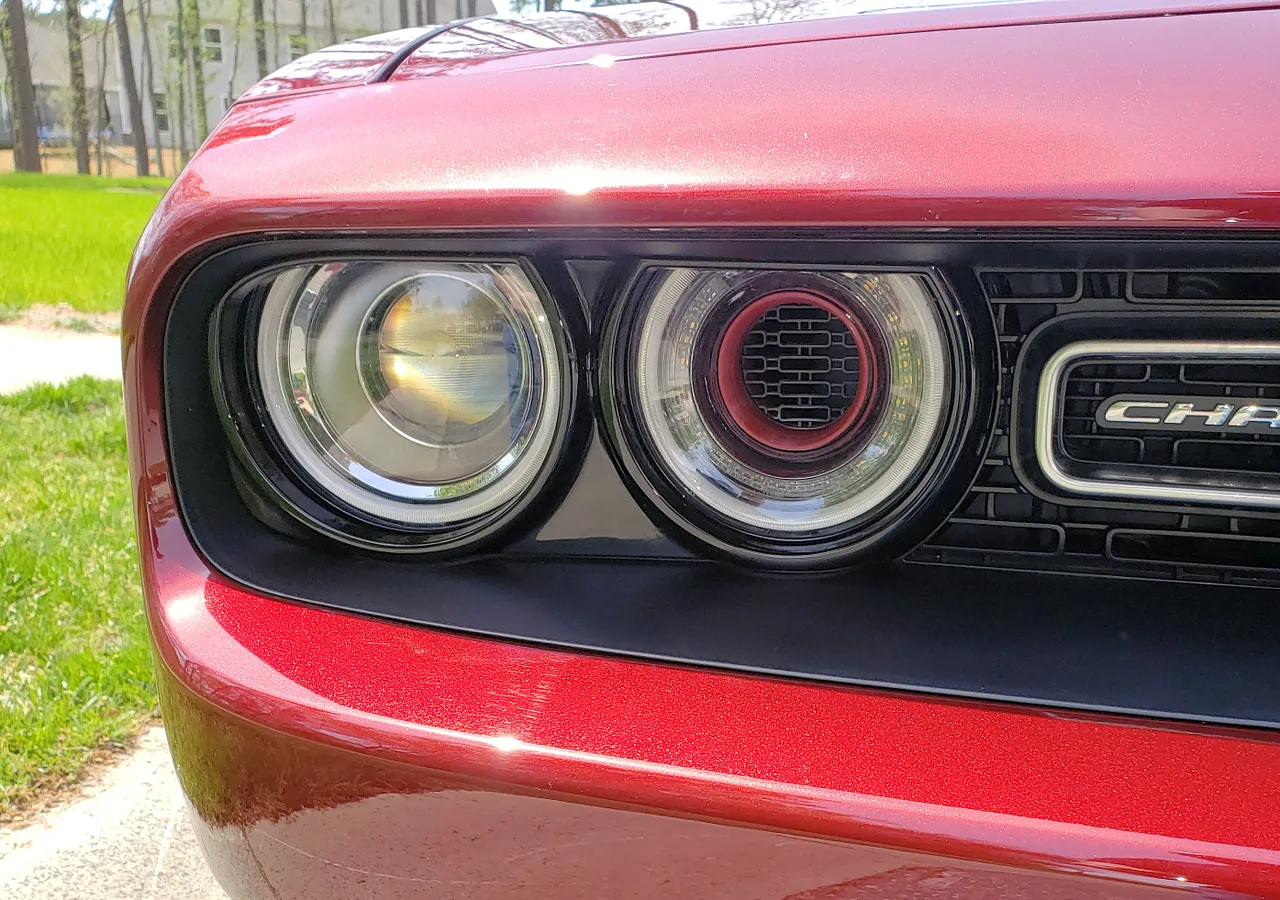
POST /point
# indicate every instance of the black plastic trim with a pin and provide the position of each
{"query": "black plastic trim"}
(388, 68)
(1190, 652)
(1174, 650)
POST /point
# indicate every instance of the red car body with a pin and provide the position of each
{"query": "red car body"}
(327, 754)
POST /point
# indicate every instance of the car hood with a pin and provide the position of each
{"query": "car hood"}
(605, 34)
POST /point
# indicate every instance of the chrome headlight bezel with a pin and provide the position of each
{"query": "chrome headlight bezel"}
(270, 455)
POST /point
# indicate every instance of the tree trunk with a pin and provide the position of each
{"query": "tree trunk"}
(6, 53)
(333, 24)
(180, 54)
(142, 165)
(235, 54)
(196, 49)
(149, 84)
(171, 92)
(260, 37)
(404, 13)
(101, 115)
(302, 16)
(79, 106)
(26, 144)
(275, 34)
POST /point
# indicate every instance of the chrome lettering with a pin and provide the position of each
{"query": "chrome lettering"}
(1119, 412)
(1249, 414)
(1182, 411)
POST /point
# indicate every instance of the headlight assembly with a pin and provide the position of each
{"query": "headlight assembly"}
(785, 415)
(425, 397)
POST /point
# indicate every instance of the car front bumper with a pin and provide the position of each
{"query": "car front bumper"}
(331, 755)
(326, 754)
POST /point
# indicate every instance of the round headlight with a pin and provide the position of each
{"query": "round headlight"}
(422, 395)
(790, 412)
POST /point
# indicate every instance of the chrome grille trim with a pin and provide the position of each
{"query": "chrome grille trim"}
(1052, 382)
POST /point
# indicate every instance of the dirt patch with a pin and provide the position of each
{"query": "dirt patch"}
(62, 317)
(43, 796)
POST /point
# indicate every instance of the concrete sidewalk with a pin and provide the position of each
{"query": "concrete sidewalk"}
(29, 355)
(129, 837)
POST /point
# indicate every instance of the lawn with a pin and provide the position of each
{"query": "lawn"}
(67, 238)
(75, 671)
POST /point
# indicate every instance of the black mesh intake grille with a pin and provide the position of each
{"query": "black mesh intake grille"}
(1225, 450)
(1004, 524)
(801, 366)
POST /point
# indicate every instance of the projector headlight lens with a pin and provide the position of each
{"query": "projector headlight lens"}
(424, 395)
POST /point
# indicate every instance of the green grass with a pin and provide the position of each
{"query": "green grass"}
(75, 669)
(67, 238)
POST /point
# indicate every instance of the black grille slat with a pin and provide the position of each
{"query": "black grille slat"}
(1238, 287)
(801, 366)
(1234, 547)
(1032, 287)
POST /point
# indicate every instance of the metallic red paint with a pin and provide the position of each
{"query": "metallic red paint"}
(805, 23)
(312, 744)
(289, 818)
(559, 38)
(1029, 126)
(342, 64)
(1129, 800)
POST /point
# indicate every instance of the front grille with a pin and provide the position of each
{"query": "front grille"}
(1089, 384)
(1003, 524)
(801, 366)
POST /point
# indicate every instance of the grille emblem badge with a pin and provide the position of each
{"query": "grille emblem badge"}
(1176, 414)
(1186, 413)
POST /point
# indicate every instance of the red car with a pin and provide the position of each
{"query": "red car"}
(593, 455)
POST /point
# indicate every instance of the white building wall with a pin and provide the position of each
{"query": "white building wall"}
(50, 70)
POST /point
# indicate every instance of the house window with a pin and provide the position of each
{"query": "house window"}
(175, 46)
(160, 103)
(213, 44)
(297, 45)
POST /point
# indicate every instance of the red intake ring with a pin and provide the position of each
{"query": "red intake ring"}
(742, 411)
